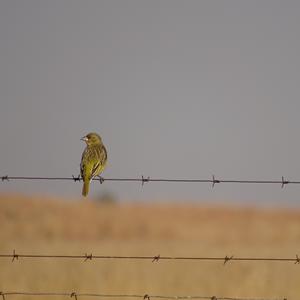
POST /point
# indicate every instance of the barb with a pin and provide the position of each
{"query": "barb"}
(214, 181)
(227, 259)
(145, 296)
(76, 178)
(14, 256)
(4, 178)
(282, 182)
(88, 257)
(145, 179)
(155, 258)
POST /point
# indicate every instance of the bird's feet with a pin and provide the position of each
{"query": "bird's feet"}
(101, 179)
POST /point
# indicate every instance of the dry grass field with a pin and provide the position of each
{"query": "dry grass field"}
(55, 226)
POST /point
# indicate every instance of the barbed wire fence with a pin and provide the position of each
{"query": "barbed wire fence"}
(213, 180)
(89, 257)
(76, 295)
(225, 259)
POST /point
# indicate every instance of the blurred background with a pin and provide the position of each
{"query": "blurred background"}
(182, 89)
(176, 89)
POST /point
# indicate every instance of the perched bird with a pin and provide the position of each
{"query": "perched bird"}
(93, 160)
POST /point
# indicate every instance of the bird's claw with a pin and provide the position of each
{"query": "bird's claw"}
(101, 179)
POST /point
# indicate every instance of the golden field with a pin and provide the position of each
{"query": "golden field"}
(56, 226)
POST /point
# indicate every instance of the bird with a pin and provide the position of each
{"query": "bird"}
(93, 160)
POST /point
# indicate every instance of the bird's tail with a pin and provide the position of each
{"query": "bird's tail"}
(85, 188)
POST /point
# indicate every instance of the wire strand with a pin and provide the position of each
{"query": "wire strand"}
(155, 258)
(143, 180)
(145, 296)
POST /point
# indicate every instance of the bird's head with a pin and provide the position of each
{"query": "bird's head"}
(92, 139)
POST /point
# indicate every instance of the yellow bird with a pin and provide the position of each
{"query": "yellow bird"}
(93, 160)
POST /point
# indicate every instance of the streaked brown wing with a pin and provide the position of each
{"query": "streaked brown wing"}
(93, 161)
(100, 156)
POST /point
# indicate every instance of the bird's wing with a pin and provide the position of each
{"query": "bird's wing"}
(93, 162)
(100, 160)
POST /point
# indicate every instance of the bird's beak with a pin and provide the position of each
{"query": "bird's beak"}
(84, 139)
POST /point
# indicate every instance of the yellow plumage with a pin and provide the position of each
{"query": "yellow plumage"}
(93, 160)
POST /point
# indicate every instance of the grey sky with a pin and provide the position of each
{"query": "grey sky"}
(181, 89)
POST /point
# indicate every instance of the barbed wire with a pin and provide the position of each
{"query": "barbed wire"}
(147, 179)
(15, 256)
(76, 295)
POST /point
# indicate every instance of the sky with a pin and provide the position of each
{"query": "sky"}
(176, 89)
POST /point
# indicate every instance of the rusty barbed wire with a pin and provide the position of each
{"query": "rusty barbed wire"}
(76, 295)
(155, 258)
(282, 182)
